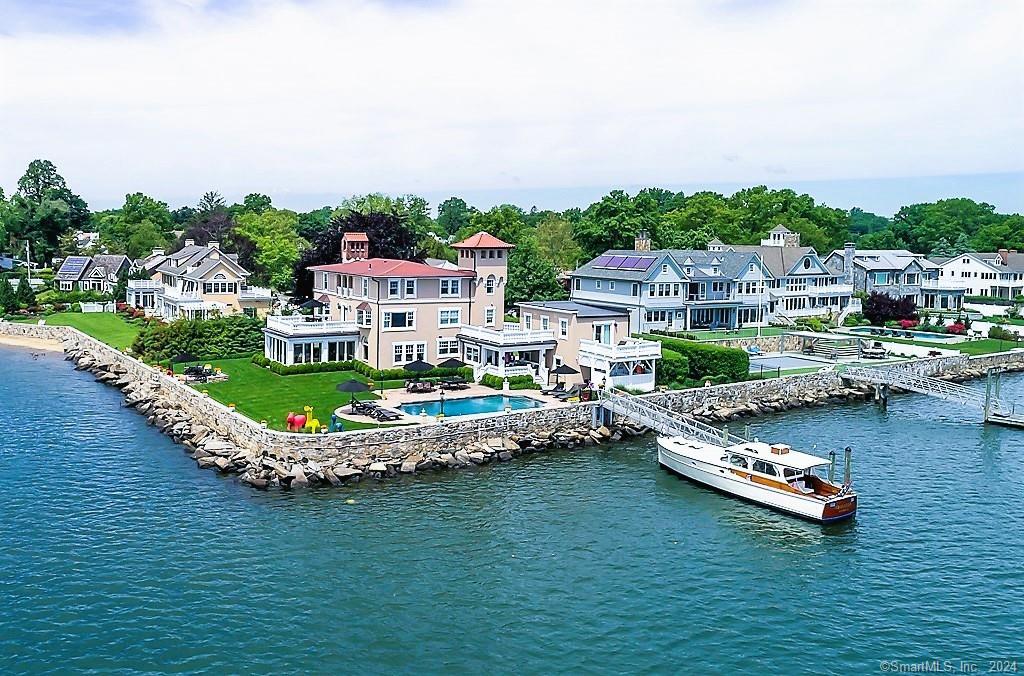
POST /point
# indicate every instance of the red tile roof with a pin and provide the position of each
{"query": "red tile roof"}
(357, 236)
(389, 267)
(482, 240)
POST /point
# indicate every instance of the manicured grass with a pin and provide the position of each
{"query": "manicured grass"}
(112, 329)
(738, 333)
(1004, 320)
(261, 394)
(971, 347)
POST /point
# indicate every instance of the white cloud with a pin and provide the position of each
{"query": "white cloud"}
(344, 97)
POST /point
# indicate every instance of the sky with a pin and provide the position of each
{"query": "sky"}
(870, 104)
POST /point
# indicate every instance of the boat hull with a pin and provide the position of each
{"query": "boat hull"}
(736, 485)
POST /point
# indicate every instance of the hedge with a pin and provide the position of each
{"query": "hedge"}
(706, 359)
(514, 382)
(673, 368)
(993, 300)
(357, 366)
(204, 338)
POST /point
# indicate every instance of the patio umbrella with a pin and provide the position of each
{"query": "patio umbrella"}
(312, 304)
(183, 358)
(563, 370)
(417, 367)
(353, 386)
(452, 363)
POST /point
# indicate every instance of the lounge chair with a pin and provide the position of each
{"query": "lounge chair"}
(419, 386)
(454, 383)
(386, 415)
(574, 392)
(557, 389)
(908, 334)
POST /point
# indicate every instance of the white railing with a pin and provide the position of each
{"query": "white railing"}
(254, 293)
(940, 285)
(145, 285)
(830, 289)
(901, 377)
(301, 325)
(664, 421)
(174, 294)
(628, 349)
(511, 334)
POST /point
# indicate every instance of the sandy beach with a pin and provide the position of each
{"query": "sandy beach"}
(31, 343)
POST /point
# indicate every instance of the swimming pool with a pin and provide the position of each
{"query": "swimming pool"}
(917, 335)
(491, 403)
(784, 362)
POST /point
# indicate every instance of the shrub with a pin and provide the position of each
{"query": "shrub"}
(206, 339)
(881, 307)
(853, 319)
(352, 365)
(514, 382)
(907, 323)
(704, 359)
(999, 333)
(957, 329)
(673, 368)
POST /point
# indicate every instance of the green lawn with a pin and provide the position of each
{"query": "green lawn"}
(972, 347)
(112, 329)
(263, 395)
(738, 333)
(1004, 320)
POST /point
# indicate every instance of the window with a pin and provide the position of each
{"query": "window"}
(449, 317)
(544, 323)
(576, 283)
(664, 267)
(323, 280)
(765, 468)
(220, 288)
(249, 312)
(363, 317)
(563, 328)
(881, 278)
(410, 288)
(473, 354)
(405, 353)
(597, 283)
(450, 287)
(365, 286)
(400, 320)
(528, 321)
(394, 286)
(611, 286)
(635, 289)
(489, 285)
(447, 347)
(807, 264)
(650, 289)
(718, 287)
(489, 315)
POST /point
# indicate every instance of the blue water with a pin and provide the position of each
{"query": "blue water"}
(118, 554)
(917, 335)
(491, 403)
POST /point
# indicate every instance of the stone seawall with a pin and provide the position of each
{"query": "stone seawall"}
(220, 438)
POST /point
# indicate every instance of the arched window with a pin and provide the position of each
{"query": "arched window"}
(489, 284)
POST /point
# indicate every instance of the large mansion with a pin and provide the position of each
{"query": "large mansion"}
(389, 313)
(999, 274)
(196, 282)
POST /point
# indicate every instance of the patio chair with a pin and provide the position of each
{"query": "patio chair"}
(559, 387)
(386, 415)
(574, 392)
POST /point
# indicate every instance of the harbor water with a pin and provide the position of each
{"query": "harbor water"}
(119, 554)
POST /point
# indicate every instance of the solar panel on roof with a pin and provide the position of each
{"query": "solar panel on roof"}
(630, 263)
(615, 261)
(641, 263)
(601, 261)
(74, 264)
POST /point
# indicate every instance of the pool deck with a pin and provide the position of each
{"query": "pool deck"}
(392, 399)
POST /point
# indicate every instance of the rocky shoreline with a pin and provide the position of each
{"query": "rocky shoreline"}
(269, 468)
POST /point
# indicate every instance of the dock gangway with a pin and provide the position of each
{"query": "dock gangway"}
(662, 420)
(898, 375)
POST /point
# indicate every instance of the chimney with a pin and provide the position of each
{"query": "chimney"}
(848, 251)
(158, 252)
(190, 242)
(1004, 255)
(214, 245)
(791, 239)
(642, 241)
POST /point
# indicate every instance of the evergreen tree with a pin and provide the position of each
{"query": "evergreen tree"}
(8, 299)
(25, 296)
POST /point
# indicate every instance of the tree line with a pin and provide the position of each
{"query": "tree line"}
(277, 245)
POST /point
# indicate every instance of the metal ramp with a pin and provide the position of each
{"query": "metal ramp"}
(664, 421)
(899, 376)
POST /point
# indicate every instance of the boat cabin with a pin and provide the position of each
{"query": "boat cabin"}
(778, 466)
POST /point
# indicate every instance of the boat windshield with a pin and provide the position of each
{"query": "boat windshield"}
(820, 471)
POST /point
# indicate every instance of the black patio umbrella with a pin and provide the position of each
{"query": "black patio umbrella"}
(563, 370)
(353, 386)
(183, 358)
(417, 367)
(452, 363)
(312, 304)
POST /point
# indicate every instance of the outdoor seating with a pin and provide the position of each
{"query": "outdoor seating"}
(454, 383)
(558, 388)
(908, 334)
(418, 386)
(574, 392)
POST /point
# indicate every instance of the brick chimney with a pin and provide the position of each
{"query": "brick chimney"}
(355, 246)
(642, 241)
(1004, 255)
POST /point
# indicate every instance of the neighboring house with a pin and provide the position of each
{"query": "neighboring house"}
(85, 240)
(799, 283)
(388, 313)
(196, 282)
(897, 273)
(999, 274)
(92, 273)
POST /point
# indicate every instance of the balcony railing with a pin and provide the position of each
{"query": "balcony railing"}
(828, 290)
(592, 350)
(254, 293)
(145, 285)
(940, 285)
(511, 334)
(302, 325)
